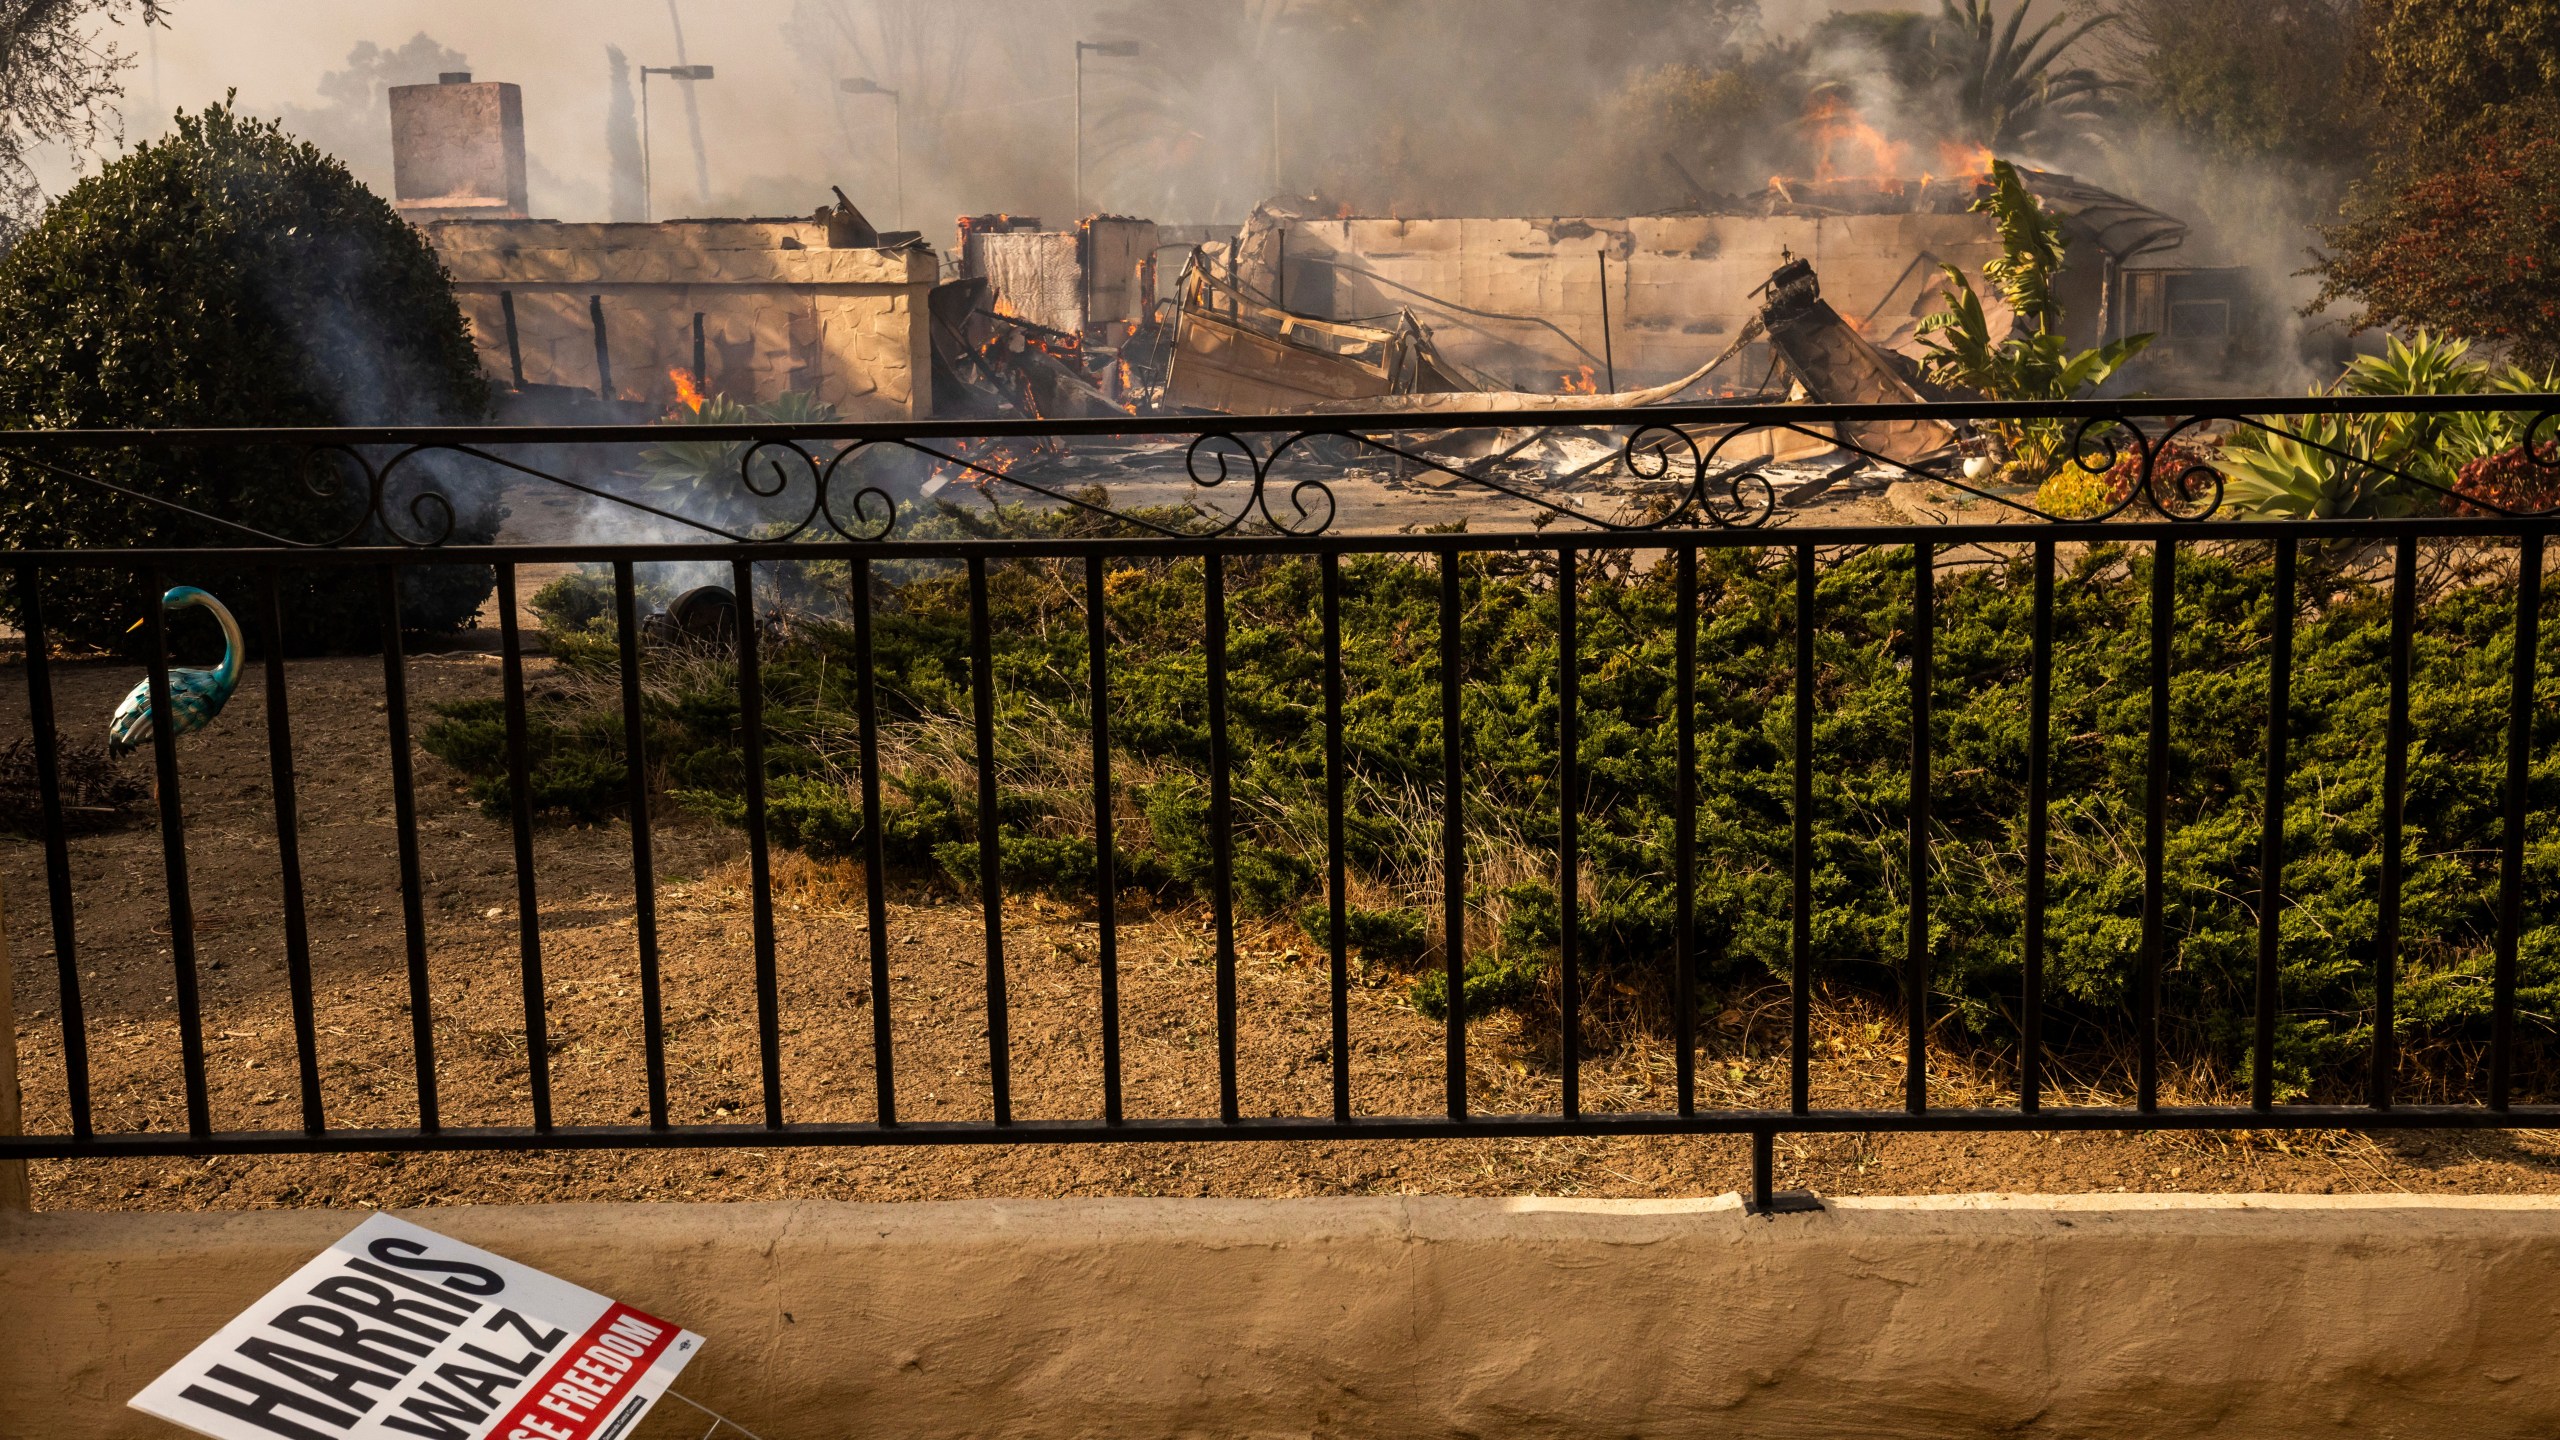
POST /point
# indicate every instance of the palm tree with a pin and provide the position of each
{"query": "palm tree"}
(2009, 93)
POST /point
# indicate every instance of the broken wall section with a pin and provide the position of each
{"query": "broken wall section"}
(1094, 282)
(1521, 299)
(777, 310)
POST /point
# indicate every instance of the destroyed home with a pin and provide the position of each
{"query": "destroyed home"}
(752, 309)
(1303, 304)
(1474, 718)
(1588, 303)
(1096, 282)
(647, 315)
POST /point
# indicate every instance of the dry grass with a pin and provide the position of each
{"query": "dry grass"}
(938, 955)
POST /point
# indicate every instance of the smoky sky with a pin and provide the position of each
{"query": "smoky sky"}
(986, 110)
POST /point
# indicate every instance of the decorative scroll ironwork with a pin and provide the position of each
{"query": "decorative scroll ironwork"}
(1688, 469)
(1682, 468)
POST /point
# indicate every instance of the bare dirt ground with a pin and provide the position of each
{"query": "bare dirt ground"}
(936, 1003)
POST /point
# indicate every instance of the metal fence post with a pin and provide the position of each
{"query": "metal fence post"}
(13, 1173)
(1727, 528)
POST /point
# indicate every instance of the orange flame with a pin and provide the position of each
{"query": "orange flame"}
(686, 394)
(1585, 383)
(1842, 138)
(1970, 162)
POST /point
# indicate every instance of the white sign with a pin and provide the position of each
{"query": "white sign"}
(396, 1333)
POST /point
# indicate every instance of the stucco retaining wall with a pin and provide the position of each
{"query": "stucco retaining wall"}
(2103, 1316)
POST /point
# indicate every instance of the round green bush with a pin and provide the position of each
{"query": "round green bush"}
(230, 275)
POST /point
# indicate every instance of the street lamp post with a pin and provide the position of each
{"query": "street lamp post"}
(897, 134)
(648, 180)
(1120, 49)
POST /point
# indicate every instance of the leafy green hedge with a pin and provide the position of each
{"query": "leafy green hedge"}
(1392, 738)
(229, 275)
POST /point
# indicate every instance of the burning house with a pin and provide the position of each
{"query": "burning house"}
(637, 315)
(1813, 286)
(749, 309)
(1096, 282)
(1048, 322)
(1604, 303)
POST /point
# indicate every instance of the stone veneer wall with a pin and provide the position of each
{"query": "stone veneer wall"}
(780, 310)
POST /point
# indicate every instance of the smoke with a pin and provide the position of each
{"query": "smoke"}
(353, 122)
(692, 112)
(622, 139)
(2250, 213)
(983, 109)
(1430, 106)
(2257, 182)
(327, 288)
(1433, 107)
(1418, 108)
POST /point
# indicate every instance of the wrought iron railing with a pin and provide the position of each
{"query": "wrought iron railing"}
(1682, 492)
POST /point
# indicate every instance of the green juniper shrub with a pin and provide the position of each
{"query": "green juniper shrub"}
(229, 275)
(574, 760)
(1266, 878)
(1503, 981)
(575, 601)
(576, 611)
(1744, 826)
(1398, 936)
(920, 816)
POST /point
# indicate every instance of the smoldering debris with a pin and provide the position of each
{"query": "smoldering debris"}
(1232, 351)
(1834, 364)
(1043, 324)
(703, 617)
(1308, 309)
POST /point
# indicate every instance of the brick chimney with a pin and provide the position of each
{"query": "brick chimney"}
(457, 150)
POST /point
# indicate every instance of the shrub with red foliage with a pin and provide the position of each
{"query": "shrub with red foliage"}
(2466, 242)
(2183, 473)
(2513, 481)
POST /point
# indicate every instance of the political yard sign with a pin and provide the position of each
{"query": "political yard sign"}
(397, 1333)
